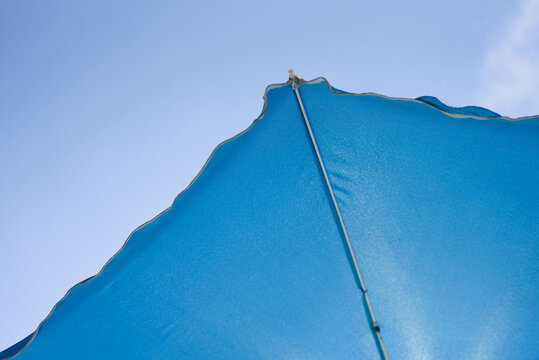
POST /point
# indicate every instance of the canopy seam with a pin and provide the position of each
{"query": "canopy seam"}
(296, 83)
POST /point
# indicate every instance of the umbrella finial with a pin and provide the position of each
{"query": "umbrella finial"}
(293, 76)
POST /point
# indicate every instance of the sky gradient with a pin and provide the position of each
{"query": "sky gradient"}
(109, 109)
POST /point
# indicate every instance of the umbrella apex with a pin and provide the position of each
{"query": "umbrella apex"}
(294, 77)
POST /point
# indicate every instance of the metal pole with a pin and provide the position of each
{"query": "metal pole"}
(296, 83)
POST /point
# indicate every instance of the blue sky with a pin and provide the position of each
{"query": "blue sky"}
(109, 108)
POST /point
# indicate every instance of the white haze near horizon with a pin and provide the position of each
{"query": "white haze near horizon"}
(109, 109)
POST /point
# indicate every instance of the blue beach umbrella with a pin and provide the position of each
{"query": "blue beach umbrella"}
(337, 226)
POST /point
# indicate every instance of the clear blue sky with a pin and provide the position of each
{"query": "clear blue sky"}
(109, 108)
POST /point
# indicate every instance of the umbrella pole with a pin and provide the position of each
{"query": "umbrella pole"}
(296, 83)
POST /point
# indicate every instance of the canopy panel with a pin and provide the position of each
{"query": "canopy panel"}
(442, 210)
(441, 207)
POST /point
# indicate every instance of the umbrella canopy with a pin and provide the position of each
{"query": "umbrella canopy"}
(338, 226)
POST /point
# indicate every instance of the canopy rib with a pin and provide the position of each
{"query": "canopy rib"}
(296, 83)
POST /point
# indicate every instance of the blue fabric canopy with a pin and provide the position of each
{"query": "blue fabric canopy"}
(441, 206)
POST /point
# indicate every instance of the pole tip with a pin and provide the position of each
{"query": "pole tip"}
(293, 76)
